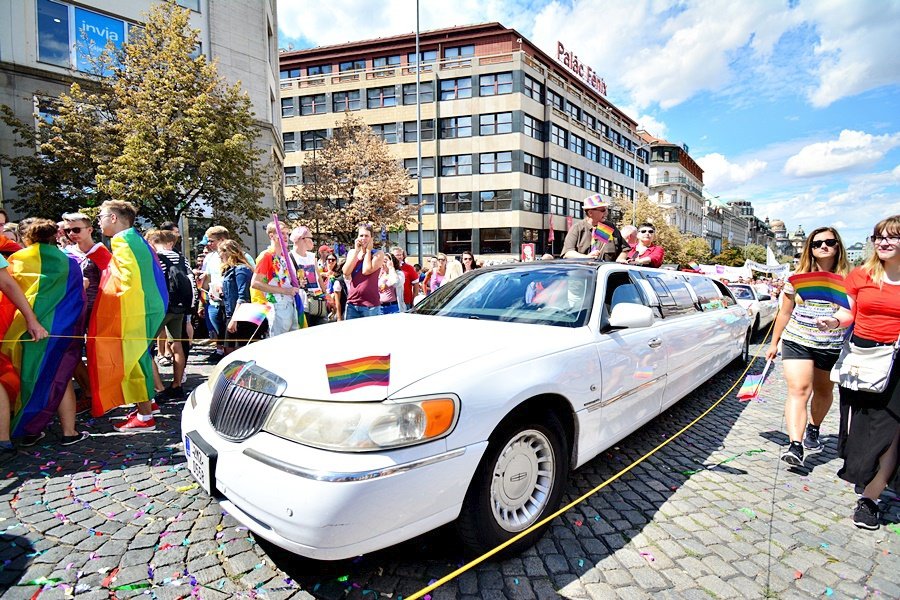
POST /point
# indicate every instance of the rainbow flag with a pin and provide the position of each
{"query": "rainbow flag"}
(820, 285)
(357, 373)
(127, 314)
(752, 384)
(35, 374)
(694, 266)
(252, 312)
(602, 233)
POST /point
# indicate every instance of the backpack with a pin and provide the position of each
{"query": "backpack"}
(178, 282)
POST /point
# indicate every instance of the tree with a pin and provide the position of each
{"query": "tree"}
(695, 249)
(161, 129)
(755, 252)
(666, 236)
(731, 256)
(354, 178)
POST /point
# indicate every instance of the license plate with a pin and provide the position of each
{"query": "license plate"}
(201, 460)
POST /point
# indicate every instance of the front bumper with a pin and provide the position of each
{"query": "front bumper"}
(331, 505)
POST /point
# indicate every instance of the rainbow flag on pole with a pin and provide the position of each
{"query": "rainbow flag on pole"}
(820, 285)
(752, 384)
(602, 233)
(253, 312)
(129, 309)
(35, 374)
(357, 373)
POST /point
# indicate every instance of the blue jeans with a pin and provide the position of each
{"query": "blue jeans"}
(389, 309)
(215, 319)
(355, 311)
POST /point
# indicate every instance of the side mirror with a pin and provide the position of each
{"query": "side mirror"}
(764, 297)
(628, 315)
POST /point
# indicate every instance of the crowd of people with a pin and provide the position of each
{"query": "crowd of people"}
(85, 325)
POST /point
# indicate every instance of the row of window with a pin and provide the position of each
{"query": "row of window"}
(577, 144)
(381, 62)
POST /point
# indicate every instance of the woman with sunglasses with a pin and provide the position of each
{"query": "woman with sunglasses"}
(435, 276)
(468, 261)
(329, 274)
(808, 352)
(646, 252)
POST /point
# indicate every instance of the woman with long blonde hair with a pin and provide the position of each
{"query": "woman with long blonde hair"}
(809, 350)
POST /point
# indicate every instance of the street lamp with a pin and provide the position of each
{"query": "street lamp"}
(634, 151)
(316, 136)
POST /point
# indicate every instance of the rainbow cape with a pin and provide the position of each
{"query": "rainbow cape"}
(357, 373)
(35, 374)
(821, 285)
(127, 314)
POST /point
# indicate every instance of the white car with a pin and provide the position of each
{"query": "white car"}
(343, 439)
(761, 307)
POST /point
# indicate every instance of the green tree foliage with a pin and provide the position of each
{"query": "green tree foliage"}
(667, 235)
(695, 249)
(755, 252)
(354, 178)
(731, 256)
(162, 131)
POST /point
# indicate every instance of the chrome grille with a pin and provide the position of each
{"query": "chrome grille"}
(236, 413)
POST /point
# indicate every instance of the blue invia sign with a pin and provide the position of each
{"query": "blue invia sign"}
(92, 32)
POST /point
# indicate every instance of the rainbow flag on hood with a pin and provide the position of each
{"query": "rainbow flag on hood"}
(129, 309)
(35, 374)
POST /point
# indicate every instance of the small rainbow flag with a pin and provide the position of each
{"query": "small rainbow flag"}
(694, 266)
(602, 233)
(752, 384)
(357, 373)
(821, 285)
(252, 312)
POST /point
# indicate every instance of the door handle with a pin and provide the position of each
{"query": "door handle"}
(655, 342)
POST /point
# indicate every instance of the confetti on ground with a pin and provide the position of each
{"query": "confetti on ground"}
(648, 556)
(798, 574)
(749, 512)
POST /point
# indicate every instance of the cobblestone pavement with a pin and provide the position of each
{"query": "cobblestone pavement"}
(714, 514)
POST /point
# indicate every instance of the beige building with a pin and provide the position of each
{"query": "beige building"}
(40, 55)
(512, 139)
(676, 184)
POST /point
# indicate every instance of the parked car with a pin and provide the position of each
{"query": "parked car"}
(761, 307)
(473, 407)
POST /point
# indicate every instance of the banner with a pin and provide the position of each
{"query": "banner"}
(776, 270)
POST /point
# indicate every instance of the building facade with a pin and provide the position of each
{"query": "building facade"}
(758, 231)
(42, 52)
(512, 140)
(676, 184)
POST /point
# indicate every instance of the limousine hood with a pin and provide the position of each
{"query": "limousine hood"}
(418, 346)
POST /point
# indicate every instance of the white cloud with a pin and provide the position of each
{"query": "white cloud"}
(851, 149)
(719, 173)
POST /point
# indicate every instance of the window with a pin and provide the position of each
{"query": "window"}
(557, 171)
(460, 164)
(289, 140)
(352, 65)
(90, 32)
(456, 202)
(426, 91)
(314, 139)
(454, 89)
(576, 177)
(495, 162)
(590, 120)
(576, 209)
(290, 176)
(409, 130)
(497, 240)
(427, 166)
(591, 182)
(386, 61)
(287, 107)
(456, 127)
(641, 176)
(534, 165)
(412, 242)
(532, 202)
(387, 132)
(496, 200)
(576, 144)
(533, 127)
(673, 294)
(344, 101)
(427, 203)
(629, 169)
(533, 89)
(573, 111)
(606, 158)
(557, 205)
(558, 135)
(427, 56)
(708, 295)
(592, 152)
(312, 105)
(456, 241)
(381, 97)
(605, 187)
(554, 99)
(289, 74)
(495, 84)
(193, 5)
(495, 123)
(459, 52)
(617, 164)
(318, 70)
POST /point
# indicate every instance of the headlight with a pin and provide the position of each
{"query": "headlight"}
(362, 426)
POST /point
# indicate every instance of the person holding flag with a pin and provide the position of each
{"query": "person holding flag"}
(594, 236)
(272, 277)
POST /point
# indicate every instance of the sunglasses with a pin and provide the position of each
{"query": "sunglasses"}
(72, 230)
(442, 260)
(646, 231)
(330, 259)
(819, 243)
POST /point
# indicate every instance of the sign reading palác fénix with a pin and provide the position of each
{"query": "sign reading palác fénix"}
(589, 75)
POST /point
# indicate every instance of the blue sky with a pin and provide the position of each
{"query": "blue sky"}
(792, 105)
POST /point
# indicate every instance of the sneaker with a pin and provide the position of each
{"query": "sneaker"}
(154, 410)
(30, 440)
(68, 440)
(170, 393)
(135, 425)
(866, 514)
(811, 442)
(793, 455)
(184, 378)
(82, 405)
(163, 360)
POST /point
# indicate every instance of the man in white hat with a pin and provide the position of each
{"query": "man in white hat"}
(594, 236)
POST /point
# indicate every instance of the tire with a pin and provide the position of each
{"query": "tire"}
(743, 358)
(756, 325)
(519, 481)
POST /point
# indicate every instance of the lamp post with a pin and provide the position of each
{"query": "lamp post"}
(634, 173)
(419, 137)
(316, 136)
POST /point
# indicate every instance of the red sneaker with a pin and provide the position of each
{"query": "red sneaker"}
(135, 425)
(154, 410)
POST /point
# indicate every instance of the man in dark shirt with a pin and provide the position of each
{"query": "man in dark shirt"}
(580, 239)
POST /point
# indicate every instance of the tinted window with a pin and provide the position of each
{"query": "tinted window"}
(673, 294)
(741, 292)
(708, 295)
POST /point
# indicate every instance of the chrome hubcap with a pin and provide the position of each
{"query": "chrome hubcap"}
(522, 480)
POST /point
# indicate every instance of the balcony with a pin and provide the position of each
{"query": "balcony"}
(682, 181)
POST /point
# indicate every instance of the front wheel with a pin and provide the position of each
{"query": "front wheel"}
(519, 482)
(743, 358)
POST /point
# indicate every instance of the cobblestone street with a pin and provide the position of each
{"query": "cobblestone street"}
(714, 514)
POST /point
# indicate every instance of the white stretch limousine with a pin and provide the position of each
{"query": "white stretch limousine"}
(343, 439)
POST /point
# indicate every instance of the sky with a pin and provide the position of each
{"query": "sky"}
(793, 105)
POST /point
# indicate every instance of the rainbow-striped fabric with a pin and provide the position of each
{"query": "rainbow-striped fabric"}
(253, 312)
(128, 312)
(602, 233)
(820, 285)
(35, 374)
(357, 373)
(694, 266)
